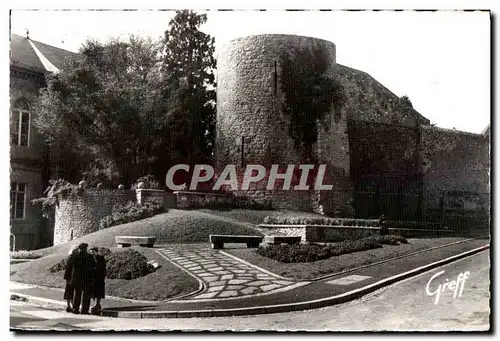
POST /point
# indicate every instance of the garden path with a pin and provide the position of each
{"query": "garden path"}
(225, 276)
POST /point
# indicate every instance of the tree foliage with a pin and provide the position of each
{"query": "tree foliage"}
(134, 107)
(189, 65)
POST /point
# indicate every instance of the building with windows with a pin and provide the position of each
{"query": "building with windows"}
(31, 162)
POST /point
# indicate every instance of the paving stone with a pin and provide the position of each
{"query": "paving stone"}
(216, 288)
(283, 282)
(218, 283)
(210, 266)
(211, 279)
(234, 287)
(266, 277)
(225, 272)
(196, 268)
(216, 269)
(249, 290)
(230, 293)
(258, 283)
(270, 287)
(253, 271)
(237, 281)
(224, 277)
(207, 295)
(206, 274)
(238, 271)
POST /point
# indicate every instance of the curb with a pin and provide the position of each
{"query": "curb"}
(113, 298)
(319, 303)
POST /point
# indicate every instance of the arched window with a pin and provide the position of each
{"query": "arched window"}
(20, 123)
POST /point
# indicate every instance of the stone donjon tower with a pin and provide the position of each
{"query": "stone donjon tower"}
(252, 127)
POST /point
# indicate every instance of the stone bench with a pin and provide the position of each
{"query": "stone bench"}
(277, 240)
(219, 240)
(126, 241)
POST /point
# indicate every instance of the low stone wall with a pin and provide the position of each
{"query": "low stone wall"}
(196, 200)
(332, 233)
(322, 233)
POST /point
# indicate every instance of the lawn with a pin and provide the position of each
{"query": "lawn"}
(311, 270)
(176, 226)
(166, 282)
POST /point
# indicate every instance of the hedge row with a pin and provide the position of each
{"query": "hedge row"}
(302, 253)
(282, 220)
(411, 224)
(24, 254)
(132, 211)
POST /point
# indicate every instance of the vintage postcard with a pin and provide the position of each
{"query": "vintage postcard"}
(250, 170)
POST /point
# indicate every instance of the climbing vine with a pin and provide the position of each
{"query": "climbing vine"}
(310, 95)
(55, 189)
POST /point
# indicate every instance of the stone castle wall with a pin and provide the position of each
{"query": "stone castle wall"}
(79, 216)
(458, 163)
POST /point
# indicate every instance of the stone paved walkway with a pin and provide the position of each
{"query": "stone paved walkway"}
(224, 276)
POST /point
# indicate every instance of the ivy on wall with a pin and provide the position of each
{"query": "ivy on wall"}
(309, 95)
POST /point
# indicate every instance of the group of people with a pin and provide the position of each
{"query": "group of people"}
(85, 279)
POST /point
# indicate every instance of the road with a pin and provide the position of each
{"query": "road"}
(403, 306)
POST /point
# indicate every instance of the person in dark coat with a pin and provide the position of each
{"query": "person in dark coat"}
(69, 290)
(99, 278)
(82, 265)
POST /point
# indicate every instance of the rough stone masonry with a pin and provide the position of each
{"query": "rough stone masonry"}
(254, 123)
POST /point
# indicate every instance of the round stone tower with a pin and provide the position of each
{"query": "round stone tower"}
(251, 124)
(270, 89)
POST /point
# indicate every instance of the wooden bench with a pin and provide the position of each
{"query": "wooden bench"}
(126, 241)
(219, 240)
(277, 240)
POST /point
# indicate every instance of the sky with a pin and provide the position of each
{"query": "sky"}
(440, 60)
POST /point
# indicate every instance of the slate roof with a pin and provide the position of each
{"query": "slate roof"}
(22, 54)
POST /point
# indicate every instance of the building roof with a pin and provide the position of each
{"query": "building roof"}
(36, 56)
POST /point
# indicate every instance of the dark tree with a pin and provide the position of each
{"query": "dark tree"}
(189, 65)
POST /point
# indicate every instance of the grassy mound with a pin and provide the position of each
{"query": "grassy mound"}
(176, 226)
(166, 282)
(313, 252)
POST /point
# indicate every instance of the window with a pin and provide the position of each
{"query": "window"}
(17, 199)
(20, 124)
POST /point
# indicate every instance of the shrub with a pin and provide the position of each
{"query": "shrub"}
(313, 252)
(59, 266)
(127, 264)
(126, 213)
(24, 254)
(285, 220)
(411, 224)
(149, 182)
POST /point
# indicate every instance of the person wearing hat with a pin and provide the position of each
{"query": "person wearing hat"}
(69, 289)
(81, 279)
